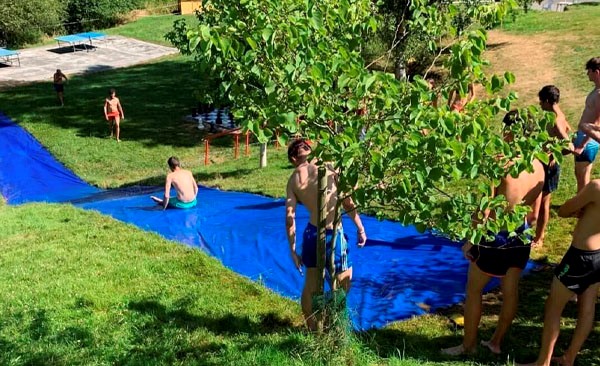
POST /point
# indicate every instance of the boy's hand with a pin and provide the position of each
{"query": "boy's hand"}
(362, 238)
(297, 261)
(466, 249)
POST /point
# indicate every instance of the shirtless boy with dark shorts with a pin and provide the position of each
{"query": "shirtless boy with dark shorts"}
(578, 273)
(504, 257)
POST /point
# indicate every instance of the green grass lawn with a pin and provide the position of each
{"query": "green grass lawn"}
(81, 288)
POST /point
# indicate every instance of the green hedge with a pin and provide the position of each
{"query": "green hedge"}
(25, 22)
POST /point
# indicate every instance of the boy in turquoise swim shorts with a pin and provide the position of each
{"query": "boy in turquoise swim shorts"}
(588, 131)
(184, 183)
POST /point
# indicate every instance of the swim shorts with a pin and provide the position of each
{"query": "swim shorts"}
(309, 248)
(59, 88)
(114, 114)
(579, 269)
(589, 152)
(551, 177)
(176, 203)
(495, 258)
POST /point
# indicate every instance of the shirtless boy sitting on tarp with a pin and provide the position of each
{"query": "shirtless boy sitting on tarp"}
(184, 184)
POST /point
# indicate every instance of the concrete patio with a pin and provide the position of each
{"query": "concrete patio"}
(40, 63)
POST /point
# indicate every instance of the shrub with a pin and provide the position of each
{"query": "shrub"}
(93, 14)
(24, 22)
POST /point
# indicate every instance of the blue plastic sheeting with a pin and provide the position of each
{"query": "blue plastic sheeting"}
(397, 274)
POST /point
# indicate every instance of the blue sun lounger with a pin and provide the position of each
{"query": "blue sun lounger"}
(9, 56)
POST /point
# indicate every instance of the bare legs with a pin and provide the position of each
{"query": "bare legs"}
(543, 218)
(310, 289)
(559, 295)
(475, 284)
(583, 171)
(114, 124)
(61, 98)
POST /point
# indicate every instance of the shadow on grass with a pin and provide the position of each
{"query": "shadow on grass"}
(155, 98)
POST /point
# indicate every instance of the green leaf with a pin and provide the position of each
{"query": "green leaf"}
(252, 43)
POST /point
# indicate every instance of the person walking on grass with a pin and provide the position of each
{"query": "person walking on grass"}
(577, 274)
(113, 112)
(184, 183)
(302, 187)
(549, 97)
(588, 130)
(59, 87)
(504, 257)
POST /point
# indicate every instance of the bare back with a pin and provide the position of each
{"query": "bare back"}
(587, 232)
(184, 184)
(525, 189)
(303, 183)
(59, 77)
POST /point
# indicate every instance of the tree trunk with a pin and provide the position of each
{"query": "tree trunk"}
(321, 226)
(263, 155)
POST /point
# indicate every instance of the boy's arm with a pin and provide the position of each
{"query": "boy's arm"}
(591, 126)
(290, 224)
(573, 206)
(121, 109)
(105, 106)
(167, 192)
(352, 212)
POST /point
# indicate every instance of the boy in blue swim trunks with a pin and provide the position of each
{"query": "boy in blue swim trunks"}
(184, 183)
(578, 273)
(504, 257)
(588, 131)
(302, 188)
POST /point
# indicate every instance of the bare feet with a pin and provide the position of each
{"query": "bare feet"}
(156, 199)
(457, 351)
(494, 349)
(537, 243)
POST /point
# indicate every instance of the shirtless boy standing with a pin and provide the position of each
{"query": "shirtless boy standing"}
(549, 97)
(505, 257)
(59, 86)
(303, 187)
(578, 273)
(113, 113)
(588, 134)
(184, 183)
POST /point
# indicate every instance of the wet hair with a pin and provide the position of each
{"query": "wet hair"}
(173, 162)
(549, 94)
(295, 147)
(593, 64)
(112, 91)
(57, 70)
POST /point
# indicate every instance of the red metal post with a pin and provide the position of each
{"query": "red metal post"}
(206, 147)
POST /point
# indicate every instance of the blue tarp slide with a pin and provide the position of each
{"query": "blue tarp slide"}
(395, 274)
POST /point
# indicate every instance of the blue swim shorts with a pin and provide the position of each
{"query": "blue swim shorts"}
(176, 203)
(309, 248)
(591, 149)
(496, 257)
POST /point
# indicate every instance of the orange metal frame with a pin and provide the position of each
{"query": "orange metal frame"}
(235, 133)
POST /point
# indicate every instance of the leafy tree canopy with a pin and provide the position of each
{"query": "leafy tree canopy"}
(296, 66)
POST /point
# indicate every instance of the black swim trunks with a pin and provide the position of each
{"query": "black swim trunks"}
(59, 87)
(495, 258)
(579, 269)
(551, 177)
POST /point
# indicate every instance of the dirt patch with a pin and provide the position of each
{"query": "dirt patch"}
(528, 57)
